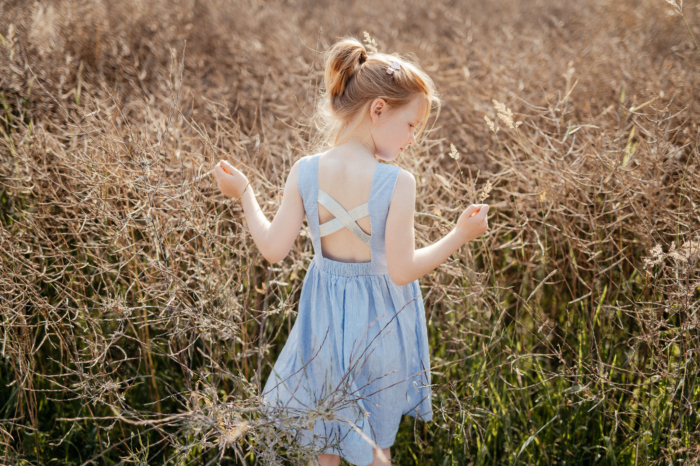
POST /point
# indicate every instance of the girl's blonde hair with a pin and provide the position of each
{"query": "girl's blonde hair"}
(353, 79)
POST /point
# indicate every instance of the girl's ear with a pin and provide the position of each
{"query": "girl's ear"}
(377, 107)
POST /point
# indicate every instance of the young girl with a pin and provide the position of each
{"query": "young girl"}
(359, 344)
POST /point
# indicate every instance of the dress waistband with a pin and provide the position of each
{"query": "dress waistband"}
(348, 269)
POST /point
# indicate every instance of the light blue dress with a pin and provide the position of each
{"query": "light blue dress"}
(359, 344)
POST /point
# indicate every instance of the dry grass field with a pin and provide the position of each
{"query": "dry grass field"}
(139, 321)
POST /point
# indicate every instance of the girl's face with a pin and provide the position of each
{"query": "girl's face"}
(394, 128)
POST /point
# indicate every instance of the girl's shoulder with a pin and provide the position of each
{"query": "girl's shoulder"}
(405, 187)
(305, 160)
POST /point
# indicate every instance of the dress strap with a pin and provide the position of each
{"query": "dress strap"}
(343, 218)
(308, 189)
(382, 192)
(307, 179)
(379, 202)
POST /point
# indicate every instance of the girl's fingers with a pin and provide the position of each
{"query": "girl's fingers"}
(477, 209)
(472, 210)
(223, 164)
(481, 208)
(218, 173)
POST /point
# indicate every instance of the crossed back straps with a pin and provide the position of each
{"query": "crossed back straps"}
(377, 208)
(343, 218)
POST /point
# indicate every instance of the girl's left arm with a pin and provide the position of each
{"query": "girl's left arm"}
(273, 239)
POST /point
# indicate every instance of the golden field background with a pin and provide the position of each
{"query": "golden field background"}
(139, 320)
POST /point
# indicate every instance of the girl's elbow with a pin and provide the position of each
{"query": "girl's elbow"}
(401, 269)
(275, 255)
(401, 282)
(274, 258)
(399, 279)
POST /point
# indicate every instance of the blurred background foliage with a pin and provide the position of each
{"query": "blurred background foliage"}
(139, 320)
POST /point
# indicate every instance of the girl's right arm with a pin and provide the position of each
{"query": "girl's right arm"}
(405, 264)
(273, 239)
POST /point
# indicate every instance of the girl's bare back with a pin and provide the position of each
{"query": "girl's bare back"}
(349, 184)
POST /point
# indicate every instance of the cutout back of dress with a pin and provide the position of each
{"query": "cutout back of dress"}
(343, 218)
(377, 208)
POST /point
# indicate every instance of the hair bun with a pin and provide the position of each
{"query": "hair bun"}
(342, 60)
(363, 57)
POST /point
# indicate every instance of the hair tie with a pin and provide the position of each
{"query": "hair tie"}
(363, 57)
(395, 66)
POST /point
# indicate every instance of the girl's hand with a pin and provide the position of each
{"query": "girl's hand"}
(473, 222)
(232, 182)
